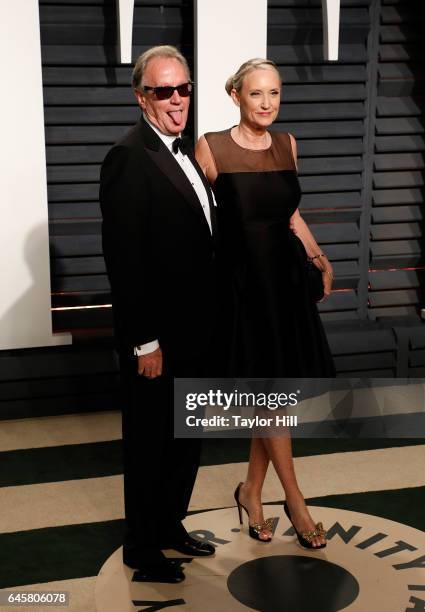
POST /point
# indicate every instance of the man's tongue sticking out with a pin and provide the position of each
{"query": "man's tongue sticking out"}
(176, 116)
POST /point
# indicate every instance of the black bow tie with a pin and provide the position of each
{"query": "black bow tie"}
(182, 145)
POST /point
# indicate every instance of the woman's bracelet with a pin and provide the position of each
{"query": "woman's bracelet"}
(330, 274)
(317, 256)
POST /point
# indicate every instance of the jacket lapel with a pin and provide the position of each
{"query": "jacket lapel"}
(170, 167)
(208, 190)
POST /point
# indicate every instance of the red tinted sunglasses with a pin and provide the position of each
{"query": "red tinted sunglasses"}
(164, 93)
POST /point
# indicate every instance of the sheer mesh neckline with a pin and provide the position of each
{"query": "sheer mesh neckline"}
(230, 157)
(247, 148)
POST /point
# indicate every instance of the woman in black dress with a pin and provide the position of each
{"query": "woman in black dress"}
(276, 330)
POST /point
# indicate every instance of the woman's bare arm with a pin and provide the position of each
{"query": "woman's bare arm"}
(301, 229)
(205, 159)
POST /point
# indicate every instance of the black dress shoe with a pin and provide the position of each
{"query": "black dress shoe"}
(190, 546)
(161, 570)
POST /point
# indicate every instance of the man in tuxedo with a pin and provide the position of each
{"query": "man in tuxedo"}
(159, 242)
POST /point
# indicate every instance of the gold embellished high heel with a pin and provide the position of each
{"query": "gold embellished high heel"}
(256, 528)
(305, 538)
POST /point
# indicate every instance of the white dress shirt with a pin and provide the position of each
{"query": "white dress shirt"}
(198, 186)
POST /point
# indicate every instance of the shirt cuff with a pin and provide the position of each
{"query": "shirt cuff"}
(144, 349)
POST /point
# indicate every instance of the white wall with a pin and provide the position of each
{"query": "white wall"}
(25, 316)
(331, 15)
(227, 33)
(125, 13)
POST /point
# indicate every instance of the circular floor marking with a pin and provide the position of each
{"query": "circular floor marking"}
(263, 584)
(370, 564)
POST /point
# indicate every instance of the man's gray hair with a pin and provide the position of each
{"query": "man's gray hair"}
(158, 51)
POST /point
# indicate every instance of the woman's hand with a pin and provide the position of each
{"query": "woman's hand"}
(327, 277)
(300, 228)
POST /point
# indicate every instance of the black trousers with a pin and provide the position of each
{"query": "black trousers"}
(159, 471)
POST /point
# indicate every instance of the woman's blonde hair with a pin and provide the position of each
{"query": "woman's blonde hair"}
(158, 51)
(236, 80)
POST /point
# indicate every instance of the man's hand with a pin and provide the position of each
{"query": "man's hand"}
(150, 365)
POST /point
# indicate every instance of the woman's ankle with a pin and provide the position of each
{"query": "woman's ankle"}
(294, 496)
(251, 489)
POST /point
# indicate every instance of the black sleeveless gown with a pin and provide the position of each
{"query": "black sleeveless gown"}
(274, 329)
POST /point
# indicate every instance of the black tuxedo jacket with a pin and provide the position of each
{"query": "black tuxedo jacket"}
(159, 251)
